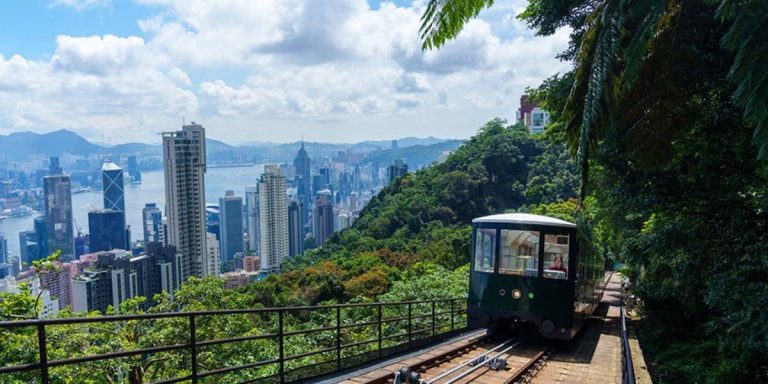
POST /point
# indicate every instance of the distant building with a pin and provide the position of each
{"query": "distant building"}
(303, 181)
(184, 162)
(118, 276)
(295, 228)
(238, 279)
(533, 117)
(33, 245)
(49, 306)
(58, 215)
(152, 221)
(231, 239)
(59, 284)
(107, 230)
(114, 191)
(252, 216)
(397, 169)
(251, 264)
(343, 220)
(213, 219)
(133, 170)
(5, 265)
(214, 255)
(323, 218)
(273, 219)
(54, 167)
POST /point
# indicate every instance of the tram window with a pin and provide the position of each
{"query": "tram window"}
(485, 250)
(519, 252)
(556, 256)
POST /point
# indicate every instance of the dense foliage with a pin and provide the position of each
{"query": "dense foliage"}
(665, 110)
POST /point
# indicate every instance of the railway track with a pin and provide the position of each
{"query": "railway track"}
(483, 361)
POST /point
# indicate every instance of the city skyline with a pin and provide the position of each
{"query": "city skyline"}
(342, 72)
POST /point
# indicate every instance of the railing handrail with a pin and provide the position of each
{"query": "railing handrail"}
(627, 366)
(194, 343)
(161, 315)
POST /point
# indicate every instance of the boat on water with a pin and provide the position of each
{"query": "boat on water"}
(20, 211)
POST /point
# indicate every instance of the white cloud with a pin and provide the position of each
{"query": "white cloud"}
(302, 65)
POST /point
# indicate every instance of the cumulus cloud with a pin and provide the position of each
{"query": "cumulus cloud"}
(305, 63)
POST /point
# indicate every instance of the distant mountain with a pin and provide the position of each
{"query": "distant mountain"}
(416, 156)
(401, 143)
(213, 145)
(21, 144)
(128, 149)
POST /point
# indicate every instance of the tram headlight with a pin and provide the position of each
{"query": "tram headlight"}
(517, 294)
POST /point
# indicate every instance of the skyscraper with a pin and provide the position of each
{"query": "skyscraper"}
(231, 208)
(107, 230)
(133, 170)
(214, 255)
(303, 181)
(301, 163)
(323, 217)
(152, 220)
(54, 168)
(58, 215)
(397, 169)
(252, 209)
(5, 266)
(273, 218)
(295, 228)
(184, 164)
(114, 192)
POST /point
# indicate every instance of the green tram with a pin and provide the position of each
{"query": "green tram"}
(532, 273)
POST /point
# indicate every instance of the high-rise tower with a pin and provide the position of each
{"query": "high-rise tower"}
(152, 220)
(114, 192)
(323, 217)
(295, 228)
(252, 209)
(58, 215)
(303, 181)
(184, 164)
(273, 218)
(231, 208)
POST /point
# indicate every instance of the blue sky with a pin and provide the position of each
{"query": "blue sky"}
(337, 70)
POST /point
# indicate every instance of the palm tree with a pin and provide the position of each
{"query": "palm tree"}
(618, 45)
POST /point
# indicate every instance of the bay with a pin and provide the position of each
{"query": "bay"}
(151, 190)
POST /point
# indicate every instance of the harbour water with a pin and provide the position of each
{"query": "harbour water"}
(151, 190)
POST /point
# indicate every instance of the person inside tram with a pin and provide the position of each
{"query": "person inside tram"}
(557, 265)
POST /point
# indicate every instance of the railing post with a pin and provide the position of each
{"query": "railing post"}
(379, 321)
(453, 310)
(280, 334)
(433, 317)
(193, 346)
(43, 350)
(410, 323)
(338, 338)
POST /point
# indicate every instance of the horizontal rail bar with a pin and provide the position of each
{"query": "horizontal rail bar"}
(305, 331)
(208, 343)
(305, 354)
(163, 315)
(116, 355)
(20, 368)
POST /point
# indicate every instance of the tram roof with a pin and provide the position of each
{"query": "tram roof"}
(524, 218)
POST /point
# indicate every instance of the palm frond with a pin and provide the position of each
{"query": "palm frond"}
(443, 20)
(747, 37)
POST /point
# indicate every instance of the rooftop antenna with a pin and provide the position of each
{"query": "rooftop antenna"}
(183, 121)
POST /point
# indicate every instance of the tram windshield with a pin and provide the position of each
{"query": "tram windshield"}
(556, 256)
(485, 250)
(519, 252)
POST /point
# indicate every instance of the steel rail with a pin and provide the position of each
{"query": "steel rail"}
(476, 367)
(462, 365)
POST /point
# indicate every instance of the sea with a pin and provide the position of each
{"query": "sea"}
(151, 190)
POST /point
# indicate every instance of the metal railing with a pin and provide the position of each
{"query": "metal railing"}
(627, 366)
(396, 327)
